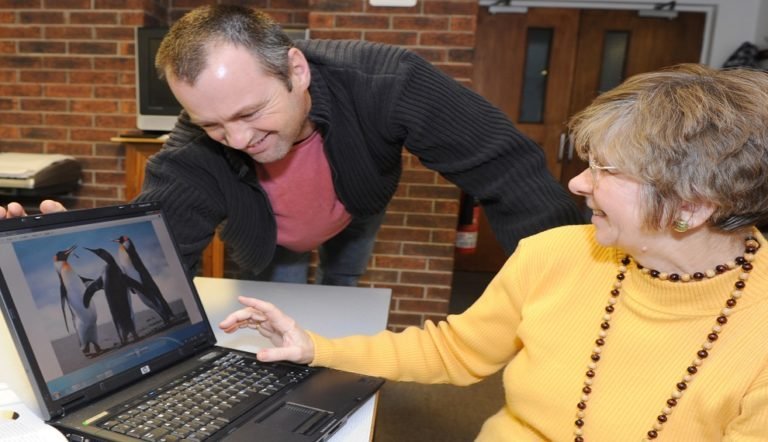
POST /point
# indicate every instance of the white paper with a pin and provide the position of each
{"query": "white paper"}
(28, 427)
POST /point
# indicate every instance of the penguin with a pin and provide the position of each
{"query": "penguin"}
(115, 285)
(72, 289)
(133, 267)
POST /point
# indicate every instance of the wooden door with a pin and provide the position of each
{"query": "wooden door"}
(583, 43)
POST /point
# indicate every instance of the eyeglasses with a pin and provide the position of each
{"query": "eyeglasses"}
(596, 168)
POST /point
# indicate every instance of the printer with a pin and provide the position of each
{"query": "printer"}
(38, 173)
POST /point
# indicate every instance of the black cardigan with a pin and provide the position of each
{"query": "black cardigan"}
(368, 101)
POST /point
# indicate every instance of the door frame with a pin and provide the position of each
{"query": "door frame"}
(708, 10)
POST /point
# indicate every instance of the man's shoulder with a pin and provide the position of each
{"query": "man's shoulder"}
(355, 54)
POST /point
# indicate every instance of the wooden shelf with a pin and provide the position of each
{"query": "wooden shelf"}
(137, 152)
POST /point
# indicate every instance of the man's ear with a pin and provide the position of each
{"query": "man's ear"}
(300, 73)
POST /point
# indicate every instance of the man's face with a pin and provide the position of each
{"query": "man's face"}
(238, 104)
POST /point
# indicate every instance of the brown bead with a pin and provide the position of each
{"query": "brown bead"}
(720, 268)
(740, 260)
(674, 277)
(581, 405)
(609, 308)
(600, 341)
(655, 273)
(661, 418)
(620, 276)
(731, 303)
(672, 402)
(681, 386)
(653, 434)
(740, 284)
(587, 389)
(578, 439)
(579, 423)
(626, 260)
(747, 266)
(615, 293)
(692, 369)
(698, 275)
(722, 319)
(595, 357)
(712, 337)
(605, 326)
(702, 354)
(590, 373)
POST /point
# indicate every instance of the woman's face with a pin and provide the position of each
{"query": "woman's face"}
(615, 200)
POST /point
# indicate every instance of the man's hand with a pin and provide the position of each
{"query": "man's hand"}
(291, 342)
(15, 209)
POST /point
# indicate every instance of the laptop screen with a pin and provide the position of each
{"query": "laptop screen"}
(96, 298)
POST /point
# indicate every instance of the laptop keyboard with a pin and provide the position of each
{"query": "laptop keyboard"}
(207, 399)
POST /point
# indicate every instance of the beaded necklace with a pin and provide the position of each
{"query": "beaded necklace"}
(745, 262)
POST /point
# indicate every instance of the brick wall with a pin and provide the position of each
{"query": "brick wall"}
(67, 85)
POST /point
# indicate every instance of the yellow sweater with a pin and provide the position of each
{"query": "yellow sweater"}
(540, 316)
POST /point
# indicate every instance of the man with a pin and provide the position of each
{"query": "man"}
(297, 146)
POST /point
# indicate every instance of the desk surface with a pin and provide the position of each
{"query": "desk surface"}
(323, 309)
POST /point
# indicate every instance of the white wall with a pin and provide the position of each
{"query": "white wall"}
(731, 22)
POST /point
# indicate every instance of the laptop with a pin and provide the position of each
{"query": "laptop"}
(117, 346)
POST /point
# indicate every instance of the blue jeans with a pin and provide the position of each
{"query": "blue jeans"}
(343, 258)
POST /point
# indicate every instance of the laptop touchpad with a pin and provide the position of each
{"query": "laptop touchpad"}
(295, 418)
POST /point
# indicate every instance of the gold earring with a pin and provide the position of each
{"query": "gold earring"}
(680, 226)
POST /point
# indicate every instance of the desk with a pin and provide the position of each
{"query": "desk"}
(137, 152)
(323, 309)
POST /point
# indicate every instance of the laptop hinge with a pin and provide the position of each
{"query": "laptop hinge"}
(69, 405)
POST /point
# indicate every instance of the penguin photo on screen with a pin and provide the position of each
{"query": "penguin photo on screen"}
(73, 292)
(132, 265)
(115, 285)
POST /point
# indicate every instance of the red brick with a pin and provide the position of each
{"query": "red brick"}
(93, 18)
(82, 150)
(115, 33)
(387, 247)
(110, 149)
(402, 234)
(337, 5)
(105, 178)
(440, 265)
(319, 20)
(421, 23)
(74, 63)
(7, 47)
(420, 175)
(400, 38)
(116, 121)
(450, 7)
(22, 119)
(21, 90)
(68, 91)
(69, 32)
(94, 106)
(381, 275)
(100, 163)
(427, 278)
(439, 293)
(96, 191)
(438, 250)
(464, 24)
(69, 120)
(399, 262)
(91, 134)
(44, 104)
(21, 32)
(432, 55)
(29, 17)
(408, 305)
(404, 319)
(337, 35)
(21, 146)
(456, 39)
(410, 205)
(43, 76)
(461, 55)
(44, 133)
(20, 62)
(97, 48)
(93, 77)
(66, 4)
(366, 21)
(114, 63)
(8, 132)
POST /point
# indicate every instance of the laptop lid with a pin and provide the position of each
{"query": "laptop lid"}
(81, 332)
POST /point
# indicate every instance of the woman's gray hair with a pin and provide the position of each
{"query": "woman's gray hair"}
(184, 50)
(692, 135)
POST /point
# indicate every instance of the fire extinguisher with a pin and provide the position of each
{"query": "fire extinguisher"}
(466, 231)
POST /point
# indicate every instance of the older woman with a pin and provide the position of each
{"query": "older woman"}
(652, 322)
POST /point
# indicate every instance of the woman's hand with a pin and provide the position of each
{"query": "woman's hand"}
(291, 342)
(15, 209)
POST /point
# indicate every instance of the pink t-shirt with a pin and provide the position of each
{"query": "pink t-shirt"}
(300, 189)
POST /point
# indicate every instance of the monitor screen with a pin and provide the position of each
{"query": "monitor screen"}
(156, 107)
